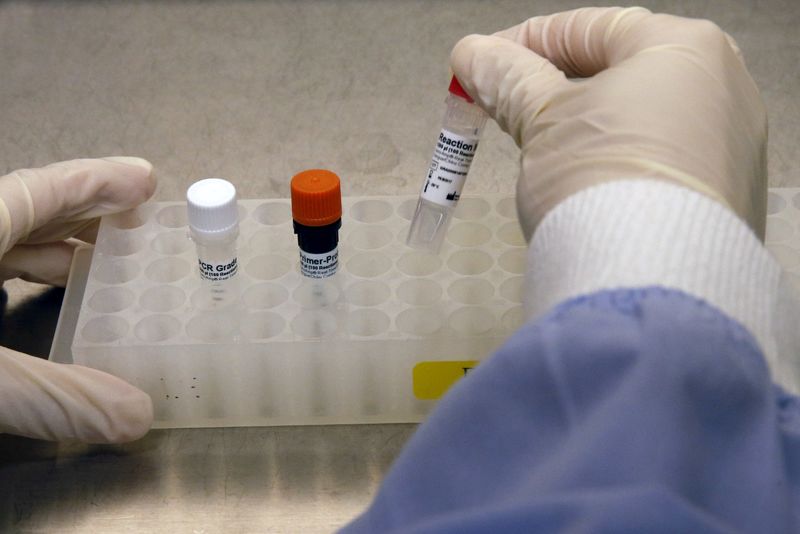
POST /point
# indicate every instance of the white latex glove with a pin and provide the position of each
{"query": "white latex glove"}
(663, 97)
(39, 210)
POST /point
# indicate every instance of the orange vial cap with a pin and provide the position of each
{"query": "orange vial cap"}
(316, 198)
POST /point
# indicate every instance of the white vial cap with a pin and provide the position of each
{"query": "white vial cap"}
(212, 207)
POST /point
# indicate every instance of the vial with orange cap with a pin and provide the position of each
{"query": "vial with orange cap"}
(452, 157)
(317, 217)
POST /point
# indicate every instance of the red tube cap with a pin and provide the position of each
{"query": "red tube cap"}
(456, 89)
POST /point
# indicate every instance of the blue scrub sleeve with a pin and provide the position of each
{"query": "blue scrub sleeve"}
(623, 411)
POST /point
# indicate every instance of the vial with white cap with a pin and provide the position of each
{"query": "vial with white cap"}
(452, 157)
(214, 227)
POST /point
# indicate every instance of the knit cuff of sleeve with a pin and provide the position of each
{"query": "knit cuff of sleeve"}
(640, 233)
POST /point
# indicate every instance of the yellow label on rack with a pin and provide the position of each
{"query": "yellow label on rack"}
(432, 379)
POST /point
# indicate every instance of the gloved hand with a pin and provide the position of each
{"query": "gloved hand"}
(39, 210)
(663, 97)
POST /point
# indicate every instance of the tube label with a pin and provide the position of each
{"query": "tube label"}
(217, 272)
(450, 164)
(319, 265)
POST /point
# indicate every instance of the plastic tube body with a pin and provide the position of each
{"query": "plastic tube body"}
(217, 257)
(218, 266)
(452, 157)
(319, 249)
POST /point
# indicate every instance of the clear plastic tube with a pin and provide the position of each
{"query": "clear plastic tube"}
(214, 228)
(217, 259)
(452, 157)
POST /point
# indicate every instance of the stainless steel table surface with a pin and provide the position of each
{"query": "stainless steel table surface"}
(254, 92)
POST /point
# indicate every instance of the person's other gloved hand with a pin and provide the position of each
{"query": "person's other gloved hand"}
(39, 210)
(663, 97)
